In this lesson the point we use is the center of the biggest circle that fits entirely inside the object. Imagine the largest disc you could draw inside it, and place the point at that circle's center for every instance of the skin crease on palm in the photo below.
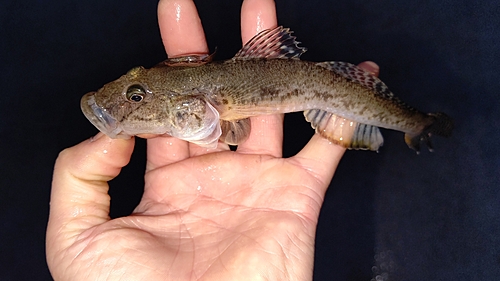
(206, 214)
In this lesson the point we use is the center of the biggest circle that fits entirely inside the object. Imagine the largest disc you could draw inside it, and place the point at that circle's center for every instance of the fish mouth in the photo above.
(99, 117)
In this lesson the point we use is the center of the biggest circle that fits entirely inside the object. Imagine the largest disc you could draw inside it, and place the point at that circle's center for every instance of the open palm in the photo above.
(224, 215)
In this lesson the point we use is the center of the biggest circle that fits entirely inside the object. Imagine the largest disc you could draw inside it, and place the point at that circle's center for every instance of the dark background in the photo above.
(391, 214)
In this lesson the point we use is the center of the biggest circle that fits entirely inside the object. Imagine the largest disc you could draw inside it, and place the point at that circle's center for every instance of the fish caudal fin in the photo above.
(344, 132)
(441, 126)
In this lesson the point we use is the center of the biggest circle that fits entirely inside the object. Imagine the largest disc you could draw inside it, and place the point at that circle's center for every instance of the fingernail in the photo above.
(371, 67)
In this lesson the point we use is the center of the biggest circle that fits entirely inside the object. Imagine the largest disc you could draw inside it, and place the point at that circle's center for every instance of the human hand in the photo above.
(205, 213)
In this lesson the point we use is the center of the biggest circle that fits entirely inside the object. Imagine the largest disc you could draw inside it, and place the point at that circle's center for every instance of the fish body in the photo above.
(201, 101)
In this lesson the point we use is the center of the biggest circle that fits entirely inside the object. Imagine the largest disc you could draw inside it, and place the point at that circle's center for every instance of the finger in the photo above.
(165, 150)
(79, 198)
(181, 33)
(180, 28)
(320, 155)
(371, 67)
(257, 15)
(266, 136)
(196, 150)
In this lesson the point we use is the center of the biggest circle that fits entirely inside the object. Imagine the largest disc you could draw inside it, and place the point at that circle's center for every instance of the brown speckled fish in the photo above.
(200, 101)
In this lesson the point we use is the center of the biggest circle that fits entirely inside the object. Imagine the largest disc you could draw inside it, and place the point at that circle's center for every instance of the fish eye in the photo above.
(135, 93)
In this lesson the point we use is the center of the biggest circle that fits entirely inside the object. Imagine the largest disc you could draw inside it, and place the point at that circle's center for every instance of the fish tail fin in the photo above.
(442, 125)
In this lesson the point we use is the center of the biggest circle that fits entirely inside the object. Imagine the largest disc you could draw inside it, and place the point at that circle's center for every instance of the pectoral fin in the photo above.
(341, 131)
(236, 131)
(209, 141)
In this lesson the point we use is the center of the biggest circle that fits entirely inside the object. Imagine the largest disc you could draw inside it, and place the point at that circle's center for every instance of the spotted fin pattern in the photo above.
(359, 75)
(277, 43)
(350, 134)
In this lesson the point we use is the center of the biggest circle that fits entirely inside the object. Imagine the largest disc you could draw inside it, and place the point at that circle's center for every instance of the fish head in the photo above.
(136, 104)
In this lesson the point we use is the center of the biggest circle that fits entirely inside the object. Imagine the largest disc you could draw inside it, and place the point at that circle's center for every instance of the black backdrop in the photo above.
(390, 214)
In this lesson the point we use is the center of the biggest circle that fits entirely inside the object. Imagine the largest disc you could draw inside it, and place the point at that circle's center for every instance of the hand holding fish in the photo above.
(205, 213)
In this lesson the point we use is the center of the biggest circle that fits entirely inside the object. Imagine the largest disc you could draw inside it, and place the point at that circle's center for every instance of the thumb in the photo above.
(79, 198)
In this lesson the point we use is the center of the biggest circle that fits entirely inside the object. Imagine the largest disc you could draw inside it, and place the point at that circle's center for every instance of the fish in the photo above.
(203, 101)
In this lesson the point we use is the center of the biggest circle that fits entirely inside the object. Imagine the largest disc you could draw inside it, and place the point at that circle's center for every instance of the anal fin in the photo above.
(345, 132)
(236, 131)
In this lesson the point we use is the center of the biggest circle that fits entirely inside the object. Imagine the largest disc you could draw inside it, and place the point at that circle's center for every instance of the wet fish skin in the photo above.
(286, 86)
(190, 101)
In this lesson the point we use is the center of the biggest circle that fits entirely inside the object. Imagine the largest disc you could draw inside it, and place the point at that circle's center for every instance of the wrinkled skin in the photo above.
(206, 214)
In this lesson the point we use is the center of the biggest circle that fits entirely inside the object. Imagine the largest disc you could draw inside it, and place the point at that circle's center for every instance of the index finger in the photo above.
(180, 28)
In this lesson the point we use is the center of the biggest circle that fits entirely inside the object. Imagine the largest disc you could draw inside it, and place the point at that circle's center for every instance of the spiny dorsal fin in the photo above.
(277, 43)
(345, 132)
(189, 60)
(356, 74)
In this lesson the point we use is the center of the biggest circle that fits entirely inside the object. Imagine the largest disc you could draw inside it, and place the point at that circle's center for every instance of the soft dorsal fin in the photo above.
(189, 60)
(359, 75)
(277, 43)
